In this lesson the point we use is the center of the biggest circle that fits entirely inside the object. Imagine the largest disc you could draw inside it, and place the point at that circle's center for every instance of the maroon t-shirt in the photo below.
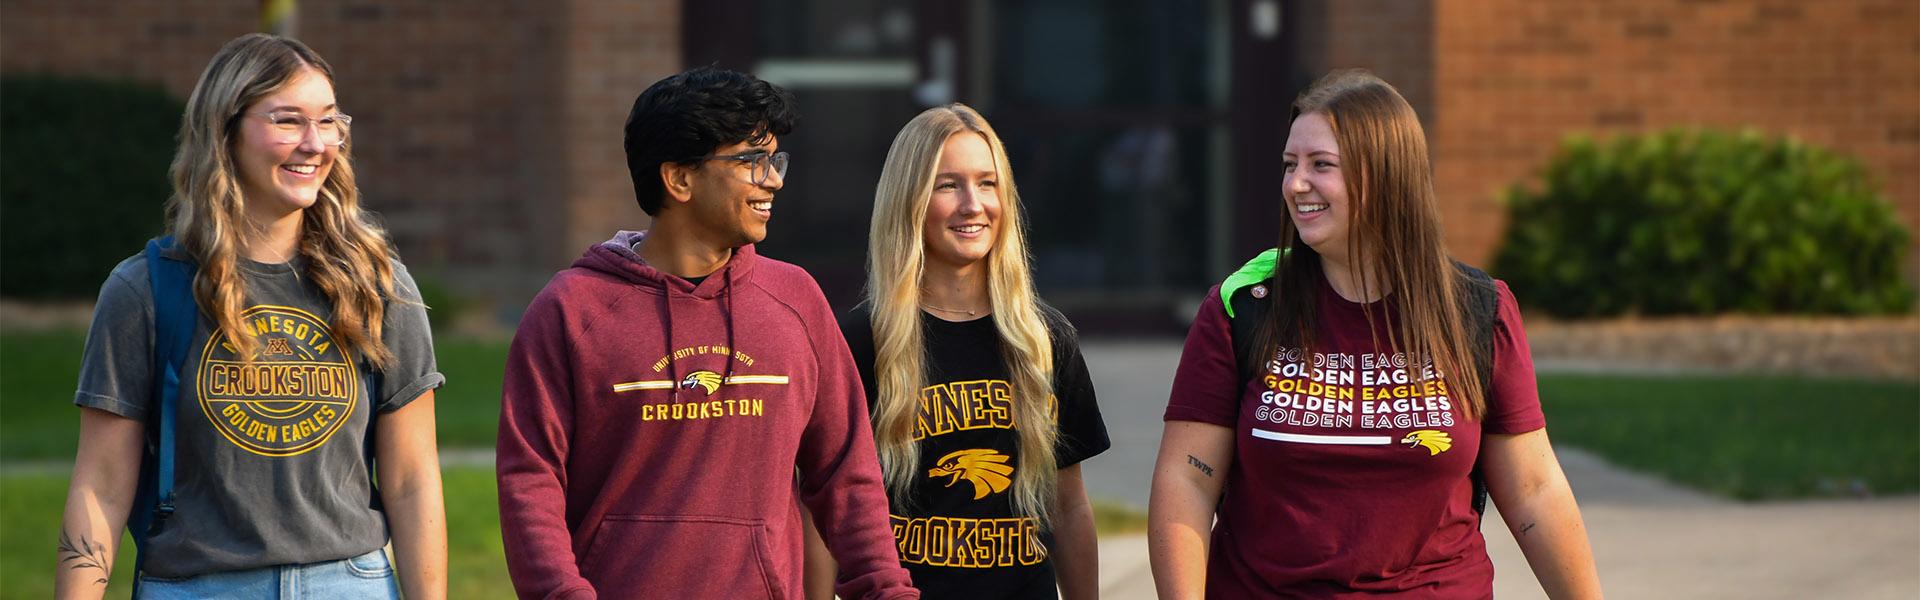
(1348, 478)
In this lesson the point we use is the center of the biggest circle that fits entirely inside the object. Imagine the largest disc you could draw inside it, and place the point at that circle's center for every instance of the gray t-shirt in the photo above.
(270, 456)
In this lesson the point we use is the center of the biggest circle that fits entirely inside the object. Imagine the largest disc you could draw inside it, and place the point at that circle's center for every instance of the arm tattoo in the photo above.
(86, 554)
(1197, 464)
(1524, 530)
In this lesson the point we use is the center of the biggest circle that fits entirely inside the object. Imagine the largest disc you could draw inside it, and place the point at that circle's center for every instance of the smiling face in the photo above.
(278, 177)
(1315, 189)
(728, 209)
(963, 214)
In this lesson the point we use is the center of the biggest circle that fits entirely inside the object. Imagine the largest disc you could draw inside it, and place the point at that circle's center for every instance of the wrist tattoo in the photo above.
(85, 554)
(1197, 464)
(1524, 530)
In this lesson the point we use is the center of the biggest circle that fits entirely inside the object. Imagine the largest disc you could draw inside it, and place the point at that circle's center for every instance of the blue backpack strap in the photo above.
(174, 316)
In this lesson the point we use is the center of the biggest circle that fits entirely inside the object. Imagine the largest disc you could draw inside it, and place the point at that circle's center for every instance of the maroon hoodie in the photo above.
(650, 430)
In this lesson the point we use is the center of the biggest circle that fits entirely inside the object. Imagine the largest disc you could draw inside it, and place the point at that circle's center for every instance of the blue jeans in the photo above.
(365, 576)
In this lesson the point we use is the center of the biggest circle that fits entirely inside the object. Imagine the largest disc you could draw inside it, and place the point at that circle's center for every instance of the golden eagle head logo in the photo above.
(1434, 440)
(986, 468)
(707, 380)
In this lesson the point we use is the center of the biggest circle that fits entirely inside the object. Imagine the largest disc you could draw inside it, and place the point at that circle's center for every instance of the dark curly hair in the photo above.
(690, 114)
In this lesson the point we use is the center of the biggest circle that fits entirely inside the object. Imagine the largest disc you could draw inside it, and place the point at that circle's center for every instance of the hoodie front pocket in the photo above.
(680, 557)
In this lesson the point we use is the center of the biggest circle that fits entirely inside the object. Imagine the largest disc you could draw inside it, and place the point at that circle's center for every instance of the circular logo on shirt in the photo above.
(294, 395)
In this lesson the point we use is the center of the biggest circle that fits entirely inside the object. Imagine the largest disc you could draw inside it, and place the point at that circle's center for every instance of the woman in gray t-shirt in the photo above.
(307, 360)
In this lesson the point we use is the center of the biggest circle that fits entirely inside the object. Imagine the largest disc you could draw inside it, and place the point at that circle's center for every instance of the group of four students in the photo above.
(684, 418)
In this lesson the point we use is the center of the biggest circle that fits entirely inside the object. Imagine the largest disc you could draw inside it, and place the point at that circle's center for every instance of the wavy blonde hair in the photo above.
(348, 256)
(896, 260)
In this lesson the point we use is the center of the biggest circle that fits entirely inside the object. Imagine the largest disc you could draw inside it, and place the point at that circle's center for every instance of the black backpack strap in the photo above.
(1251, 306)
(1247, 297)
(1479, 307)
(369, 445)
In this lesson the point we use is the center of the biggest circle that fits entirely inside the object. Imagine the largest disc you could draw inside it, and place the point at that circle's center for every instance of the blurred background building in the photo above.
(1144, 134)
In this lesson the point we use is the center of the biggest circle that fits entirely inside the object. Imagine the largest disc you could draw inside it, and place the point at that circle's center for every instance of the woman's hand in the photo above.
(1076, 548)
(1526, 483)
(106, 474)
(820, 569)
(409, 468)
(1187, 479)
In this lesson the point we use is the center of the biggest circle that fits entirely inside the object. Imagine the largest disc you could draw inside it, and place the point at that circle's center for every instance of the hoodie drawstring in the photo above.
(726, 289)
(673, 366)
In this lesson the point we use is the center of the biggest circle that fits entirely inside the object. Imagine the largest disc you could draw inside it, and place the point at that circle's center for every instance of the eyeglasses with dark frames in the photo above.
(762, 162)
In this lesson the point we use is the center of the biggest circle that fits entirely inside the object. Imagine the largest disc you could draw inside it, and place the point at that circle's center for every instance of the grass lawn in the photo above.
(1748, 437)
(37, 374)
(468, 406)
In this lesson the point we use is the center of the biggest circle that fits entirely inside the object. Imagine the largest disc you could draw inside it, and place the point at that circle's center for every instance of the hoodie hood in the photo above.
(617, 257)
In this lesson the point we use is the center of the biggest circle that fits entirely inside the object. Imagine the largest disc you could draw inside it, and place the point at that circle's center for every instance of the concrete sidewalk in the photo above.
(1654, 540)
(1650, 539)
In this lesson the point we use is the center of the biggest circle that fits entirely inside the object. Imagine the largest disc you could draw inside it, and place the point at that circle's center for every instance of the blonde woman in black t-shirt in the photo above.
(981, 403)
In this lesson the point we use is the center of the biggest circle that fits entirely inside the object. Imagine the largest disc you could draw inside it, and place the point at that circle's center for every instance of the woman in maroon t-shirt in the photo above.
(1386, 375)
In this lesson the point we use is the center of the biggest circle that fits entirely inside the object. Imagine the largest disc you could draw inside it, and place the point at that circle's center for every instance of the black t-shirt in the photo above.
(959, 535)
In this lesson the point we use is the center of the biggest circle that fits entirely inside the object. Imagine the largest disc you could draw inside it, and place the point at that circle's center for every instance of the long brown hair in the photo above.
(348, 256)
(1395, 237)
(896, 260)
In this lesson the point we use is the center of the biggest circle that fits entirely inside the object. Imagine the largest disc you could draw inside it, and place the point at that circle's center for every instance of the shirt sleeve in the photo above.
(840, 480)
(535, 436)
(116, 368)
(1206, 386)
(1513, 398)
(404, 330)
(1083, 432)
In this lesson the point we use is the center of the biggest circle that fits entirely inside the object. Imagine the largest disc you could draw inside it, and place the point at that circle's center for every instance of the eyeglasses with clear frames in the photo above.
(762, 162)
(291, 127)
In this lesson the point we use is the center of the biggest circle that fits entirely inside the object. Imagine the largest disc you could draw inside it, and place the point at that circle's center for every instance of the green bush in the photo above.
(1703, 222)
(85, 179)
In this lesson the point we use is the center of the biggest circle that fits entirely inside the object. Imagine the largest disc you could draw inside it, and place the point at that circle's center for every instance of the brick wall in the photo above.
(487, 133)
(162, 42)
(615, 50)
(1513, 77)
(452, 125)
(1391, 38)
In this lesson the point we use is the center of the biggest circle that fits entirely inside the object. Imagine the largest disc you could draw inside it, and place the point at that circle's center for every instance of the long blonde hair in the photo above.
(1396, 239)
(896, 260)
(348, 256)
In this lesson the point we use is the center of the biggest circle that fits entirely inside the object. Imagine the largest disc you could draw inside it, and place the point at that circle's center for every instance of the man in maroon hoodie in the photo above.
(661, 393)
